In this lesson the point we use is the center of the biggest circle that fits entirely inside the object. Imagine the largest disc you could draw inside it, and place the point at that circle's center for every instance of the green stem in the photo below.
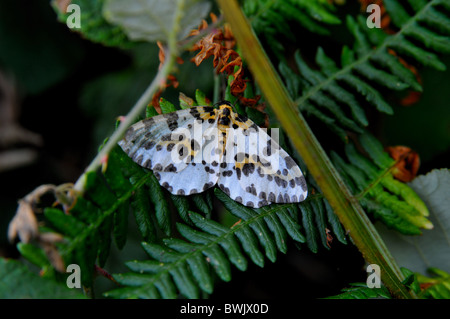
(138, 108)
(344, 204)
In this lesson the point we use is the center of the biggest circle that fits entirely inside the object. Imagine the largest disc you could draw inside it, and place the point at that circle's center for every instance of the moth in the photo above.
(194, 149)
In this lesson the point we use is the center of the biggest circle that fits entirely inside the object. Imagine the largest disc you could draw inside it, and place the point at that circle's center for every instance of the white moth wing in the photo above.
(174, 146)
(257, 171)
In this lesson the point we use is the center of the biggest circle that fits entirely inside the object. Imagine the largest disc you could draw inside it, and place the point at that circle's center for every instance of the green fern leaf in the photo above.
(140, 205)
(437, 286)
(120, 222)
(361, 291)
(183, 266)
(230, 244)
(395, 203)
(160, 203)
(94, 26)
(330, 92)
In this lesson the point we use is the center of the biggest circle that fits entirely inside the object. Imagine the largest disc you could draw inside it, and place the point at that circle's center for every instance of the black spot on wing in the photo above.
(263, 203)
(129, 134)
(194, 112)
(238, 173)
(195, 146)
(300, 181)
(172, 120)
(149, 145)
(167, 186)
(292, 183)
(166, 137)
(227, 173)
(147, 163)
(225, 189)
(289, 162)
(254, 127)
(170, 146)
(208, 185)
(248, 169)
(251, 189)
(241, 118)
(170, 168)
(138, 160)
(148, 122)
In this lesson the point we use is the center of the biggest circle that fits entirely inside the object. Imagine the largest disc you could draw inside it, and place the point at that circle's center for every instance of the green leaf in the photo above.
(401, 17)
(33, 254)
(166, 106)
(17, 282)
(200, 98)
(140, 205)
(161, 205)
(152, 20)
(367, 67)
(292, 228)
(258, 225)
(202, 204)
(98, 190)
(361, 291)
(438, 286)
(433, 247)
(410, 280)
(319, 215)
(121, 224)
(182, 205)
(66, 224)
(184, 282)
(104, 242)
(93, 25)
(425, 57)
(229, 244)
(310, 229)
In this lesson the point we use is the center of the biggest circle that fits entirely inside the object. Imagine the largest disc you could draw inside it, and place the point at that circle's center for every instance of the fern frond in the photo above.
(392, 202)
(188, 266)
(94, 26)
(361, 291)
(272, 18)
(436, 287)
(331, 92)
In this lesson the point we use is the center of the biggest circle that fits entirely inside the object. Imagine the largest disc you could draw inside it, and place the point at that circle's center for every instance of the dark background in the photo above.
(69, 91)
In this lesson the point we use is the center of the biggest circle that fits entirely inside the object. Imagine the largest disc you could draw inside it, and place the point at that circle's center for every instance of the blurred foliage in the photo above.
(36, 50)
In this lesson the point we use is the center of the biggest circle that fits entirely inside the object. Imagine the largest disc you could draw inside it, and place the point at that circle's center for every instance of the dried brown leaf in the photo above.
(408, 162)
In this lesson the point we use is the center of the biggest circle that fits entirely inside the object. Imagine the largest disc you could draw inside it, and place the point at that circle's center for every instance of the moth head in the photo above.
(223, 105)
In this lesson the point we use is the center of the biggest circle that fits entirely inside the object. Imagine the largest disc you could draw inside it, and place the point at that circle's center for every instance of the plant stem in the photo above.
(138, 108)
(344, 204)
